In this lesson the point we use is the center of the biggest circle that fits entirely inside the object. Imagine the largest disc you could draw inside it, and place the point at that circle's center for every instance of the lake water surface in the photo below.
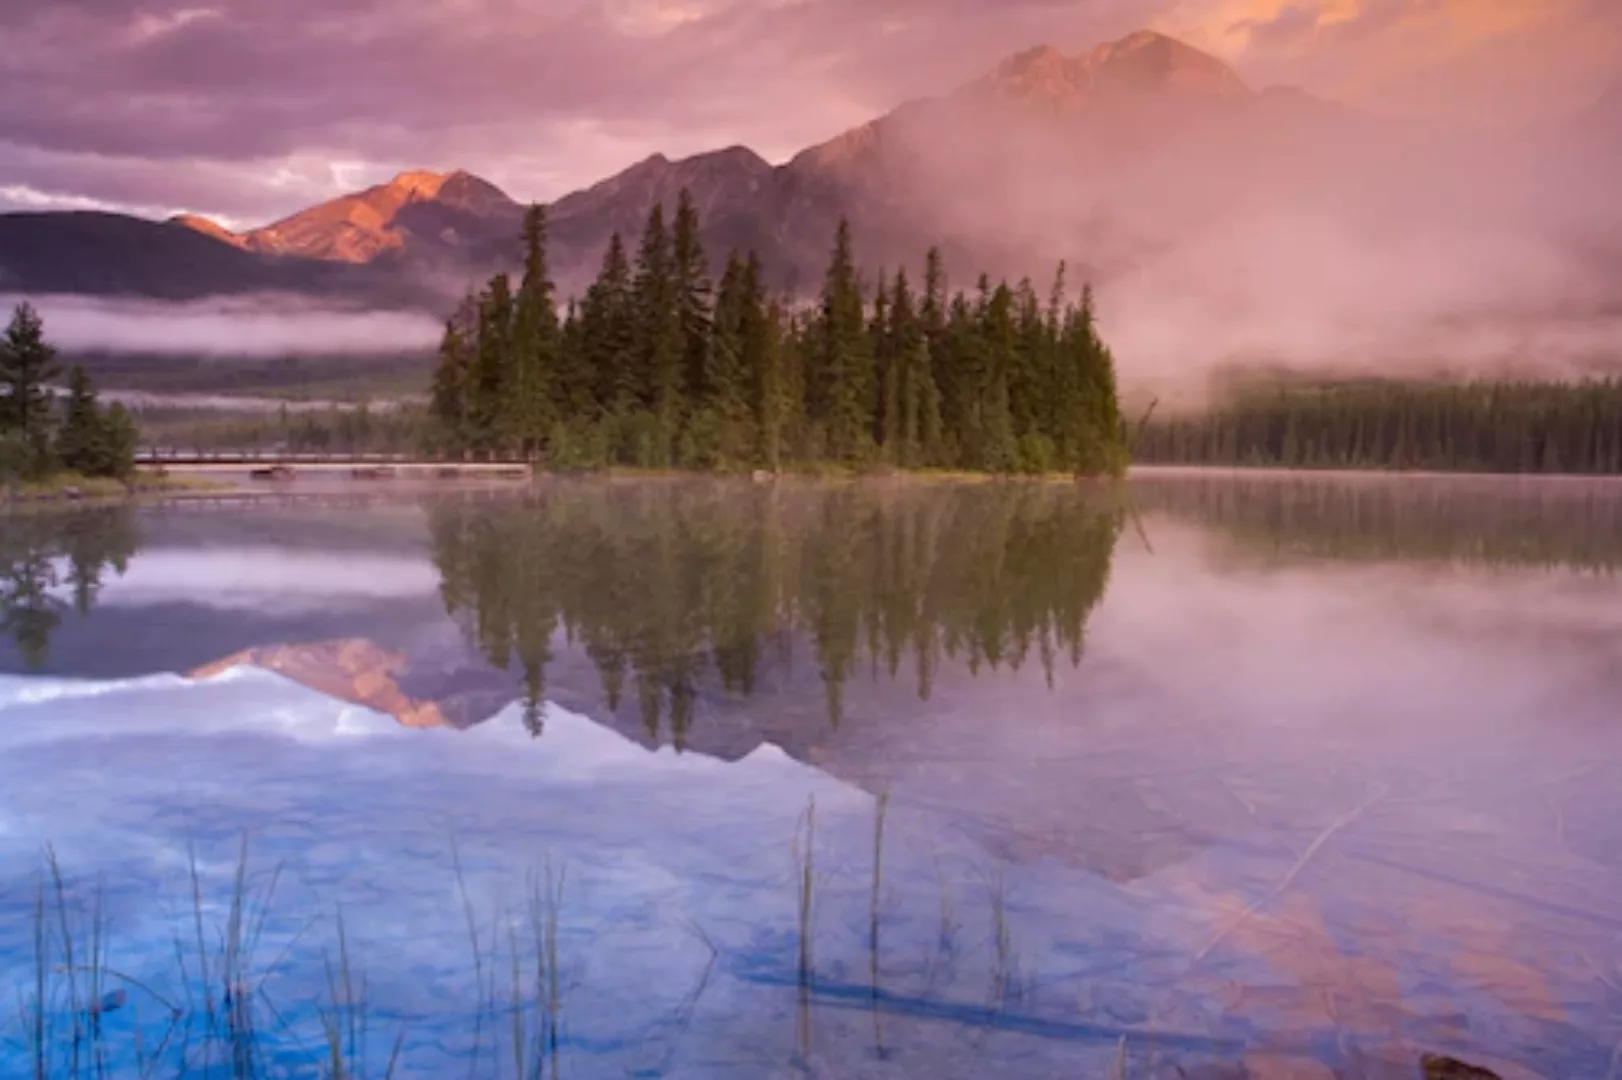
(1212, 776)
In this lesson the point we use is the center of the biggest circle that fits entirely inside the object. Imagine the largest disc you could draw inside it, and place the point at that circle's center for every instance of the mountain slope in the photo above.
(942, 171)
(116, 255)
(415, 215)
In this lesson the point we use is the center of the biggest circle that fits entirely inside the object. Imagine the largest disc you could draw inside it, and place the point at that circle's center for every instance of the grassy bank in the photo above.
(71, 487)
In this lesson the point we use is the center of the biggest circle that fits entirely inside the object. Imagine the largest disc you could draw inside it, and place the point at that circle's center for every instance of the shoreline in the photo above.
(73, 490)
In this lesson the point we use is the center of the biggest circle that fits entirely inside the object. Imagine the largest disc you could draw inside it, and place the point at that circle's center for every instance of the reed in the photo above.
(805, 867)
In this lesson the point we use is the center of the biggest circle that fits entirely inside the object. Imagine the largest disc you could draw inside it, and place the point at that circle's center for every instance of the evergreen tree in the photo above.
(691, 274)
(721, 381)
(659, 334)
(886, 373)
(932, 321)
(449, 399)
(78, 439)
(999, 450)
(916, 412)
(961, 364)
(27, 365)
(117, 443)
(1104, 450)
(532, 403)
(609, 333)
(492, 380)
(1026, 375)
(764, 360)
(574, 382)
(844, 357)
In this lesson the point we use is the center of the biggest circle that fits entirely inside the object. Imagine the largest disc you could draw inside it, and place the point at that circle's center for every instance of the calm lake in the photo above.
(1210, 775)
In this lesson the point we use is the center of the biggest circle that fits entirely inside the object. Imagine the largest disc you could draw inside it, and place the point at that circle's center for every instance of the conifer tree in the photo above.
(532, 404)
(844, 356)
(27, 365)
(999, 450)
(659, 333)
(764, 360)
(917, 406)
(691, 274)
(79, 438)
(116, 443)
(450, 401)
(886, 422)
(961, 363)
(1026, 374)
(1102, 394)
(792, 363)
(1051, 381)
(492, 366)
(609, 333)
(721, 381)
(575, 390)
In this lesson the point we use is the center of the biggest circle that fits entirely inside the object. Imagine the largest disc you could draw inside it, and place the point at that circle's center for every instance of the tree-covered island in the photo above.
(658, 366)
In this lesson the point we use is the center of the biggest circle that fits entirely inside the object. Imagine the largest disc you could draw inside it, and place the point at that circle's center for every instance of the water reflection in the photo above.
(1294, 780)
(1494, 521)
(52, 565)
(662, 583)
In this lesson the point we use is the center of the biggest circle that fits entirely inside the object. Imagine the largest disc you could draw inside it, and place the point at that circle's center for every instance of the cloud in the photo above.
(542, 97)
(1480, 60)
(224, 108)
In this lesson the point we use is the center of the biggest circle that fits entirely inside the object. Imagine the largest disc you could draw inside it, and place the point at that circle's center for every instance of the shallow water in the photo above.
(1265, 776)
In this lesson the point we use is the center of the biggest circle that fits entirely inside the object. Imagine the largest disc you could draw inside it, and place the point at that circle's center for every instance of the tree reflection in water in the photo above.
(662, 583)
(52, 564)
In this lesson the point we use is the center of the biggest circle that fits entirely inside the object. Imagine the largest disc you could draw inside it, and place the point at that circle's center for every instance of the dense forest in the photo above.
(38, 439)
(670, 587)
(1504, 427)
(658, 366)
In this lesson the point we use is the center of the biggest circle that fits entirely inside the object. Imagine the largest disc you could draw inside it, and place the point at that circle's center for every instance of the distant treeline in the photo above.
(657, 366)
(361, 429)
(349, 377)
(1487, 426)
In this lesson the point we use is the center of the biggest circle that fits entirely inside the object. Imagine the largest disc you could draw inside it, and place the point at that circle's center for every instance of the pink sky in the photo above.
(250, 109)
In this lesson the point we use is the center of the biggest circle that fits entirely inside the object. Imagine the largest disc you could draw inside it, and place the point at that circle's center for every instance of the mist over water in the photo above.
(249, 327)
(1294, 771)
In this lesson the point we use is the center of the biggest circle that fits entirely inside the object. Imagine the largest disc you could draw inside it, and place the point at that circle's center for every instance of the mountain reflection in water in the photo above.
(1272, 777)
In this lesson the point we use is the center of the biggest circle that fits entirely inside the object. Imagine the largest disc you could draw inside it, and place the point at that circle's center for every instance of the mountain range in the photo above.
(1106, 158)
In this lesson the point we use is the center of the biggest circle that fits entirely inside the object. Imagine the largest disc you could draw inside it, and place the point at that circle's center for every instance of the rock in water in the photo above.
(1445, 1068)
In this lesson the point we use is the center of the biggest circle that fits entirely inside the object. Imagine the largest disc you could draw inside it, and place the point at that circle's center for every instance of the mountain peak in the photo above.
(1143, 63)
(419, 183)
(1148, 59)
